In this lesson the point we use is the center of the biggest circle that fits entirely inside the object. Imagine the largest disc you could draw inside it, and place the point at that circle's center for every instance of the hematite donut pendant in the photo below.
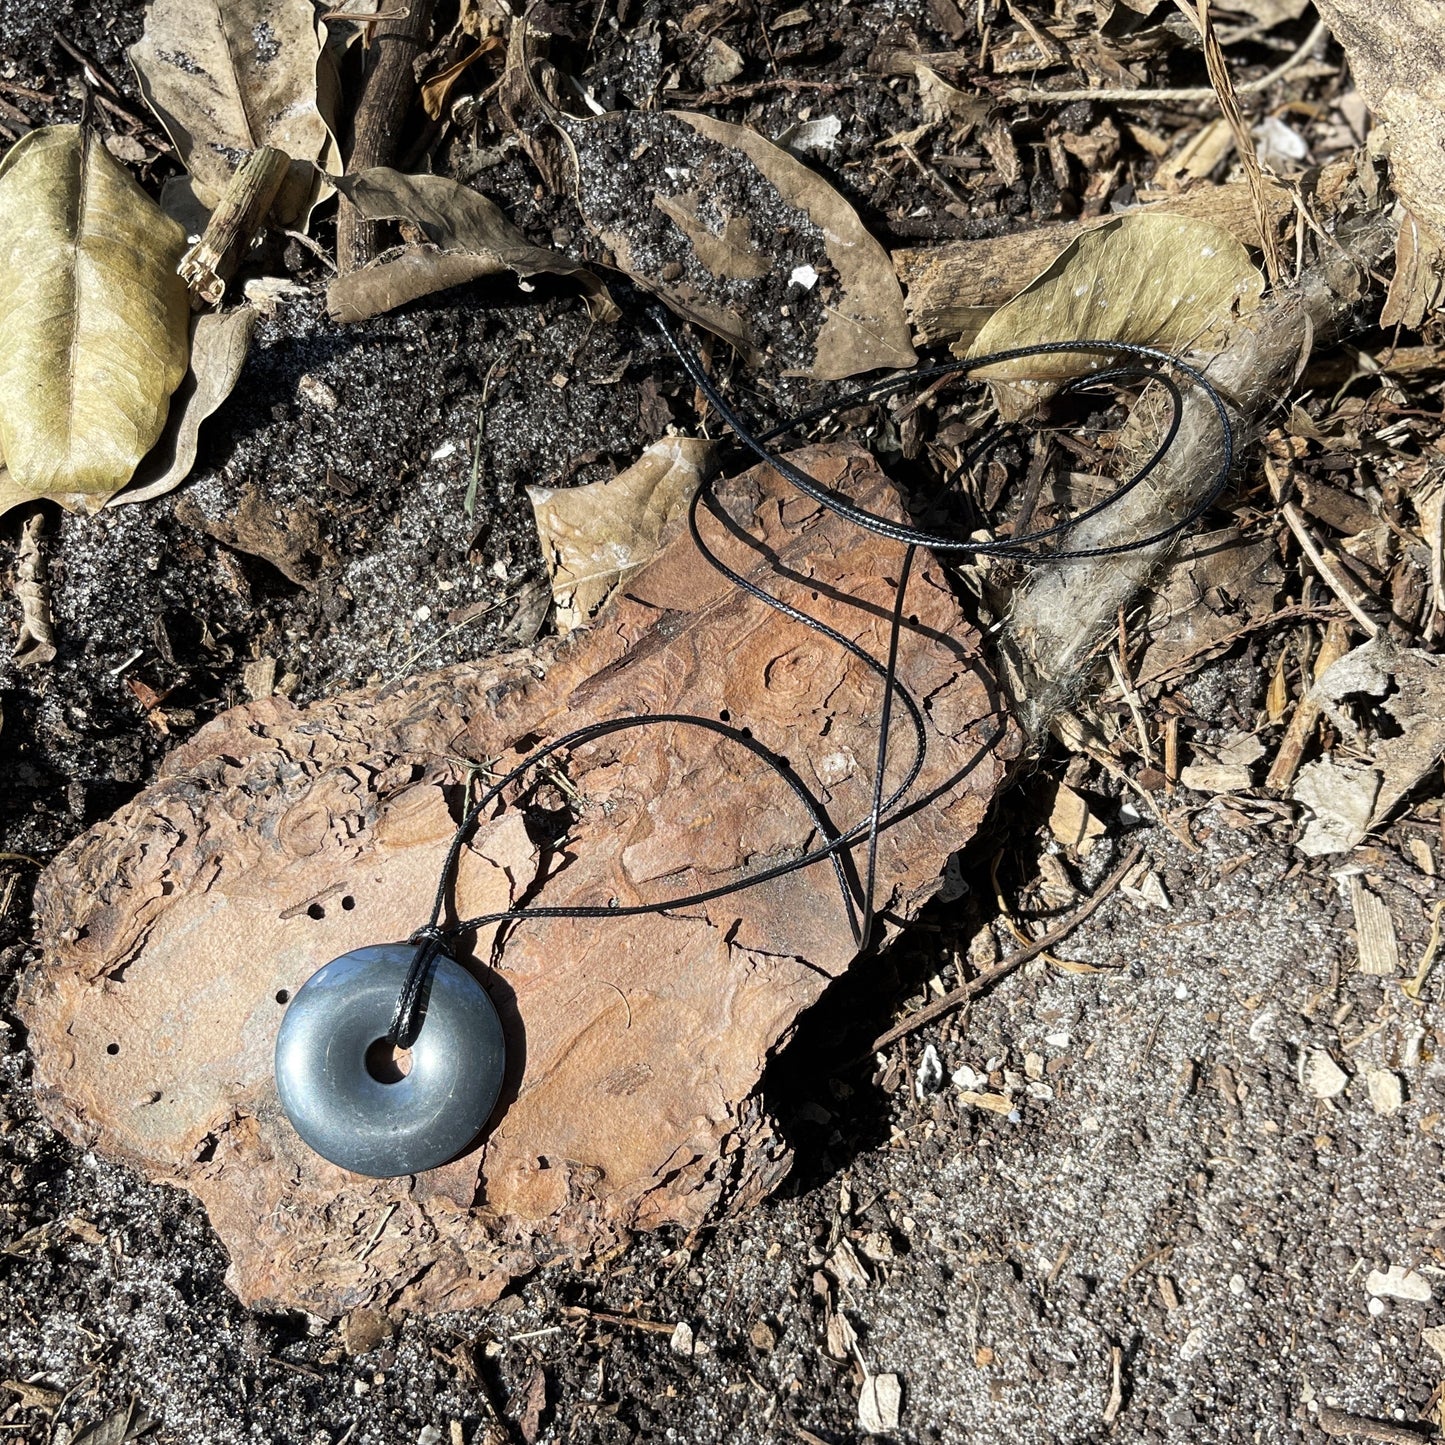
(359, 1114)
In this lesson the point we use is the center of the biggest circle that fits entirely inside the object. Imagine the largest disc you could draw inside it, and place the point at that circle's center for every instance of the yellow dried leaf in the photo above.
(94, 320)
(596, 536)
(1150, 280)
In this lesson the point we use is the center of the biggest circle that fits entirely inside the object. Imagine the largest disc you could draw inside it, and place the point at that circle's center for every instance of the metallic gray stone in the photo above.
(354, 1119)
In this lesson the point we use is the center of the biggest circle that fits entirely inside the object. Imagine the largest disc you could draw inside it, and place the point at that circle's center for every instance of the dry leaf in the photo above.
(1396, 50)
(941, 101)
(34, 1397)
(437, 89)
(952, 288)
(879, 1402)
(685, 203)
(118, 1429)
(1195, 608)
(94, 321)
(281, 836)
(1151, 280)
(468, 236)
(220, 343)
(1411, 685)
(597, 536)
(228, 76)
(729, 253)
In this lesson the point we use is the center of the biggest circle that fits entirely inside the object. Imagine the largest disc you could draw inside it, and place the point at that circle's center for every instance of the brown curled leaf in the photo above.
(467, 237)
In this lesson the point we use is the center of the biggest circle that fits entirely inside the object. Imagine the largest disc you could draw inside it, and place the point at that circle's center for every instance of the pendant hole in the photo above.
(316, 911)
(112, 1049)
(348, 903)
(283, 995)
(386, 1063)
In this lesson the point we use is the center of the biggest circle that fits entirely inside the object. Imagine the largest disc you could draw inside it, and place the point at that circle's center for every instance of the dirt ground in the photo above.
(1166, 1239)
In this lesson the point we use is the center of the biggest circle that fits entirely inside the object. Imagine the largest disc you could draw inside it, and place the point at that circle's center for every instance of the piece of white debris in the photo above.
(1058, 1041)
(804, 276)
(1376, 1307)
(1386, 1092)
(929, 1078)
(966, 1078)
(879, 1402)
(1193, 1345)
(445, 450)
(317, 392)
(1398, 1283)
(1324, 1078)
(683, 1340)
(1216, 777)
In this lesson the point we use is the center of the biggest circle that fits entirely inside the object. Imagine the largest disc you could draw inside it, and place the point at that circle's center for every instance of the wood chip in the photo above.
(1324, 1078)
(879, 1402)
(1379, 952)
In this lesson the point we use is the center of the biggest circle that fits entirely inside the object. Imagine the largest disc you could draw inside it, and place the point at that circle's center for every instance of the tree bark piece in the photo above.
(280, 837)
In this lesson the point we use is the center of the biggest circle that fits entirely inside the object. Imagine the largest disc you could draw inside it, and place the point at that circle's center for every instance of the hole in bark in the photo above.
(348, 903)
(283, 995)
(316, 911)
(112, 1049)
(386, 1063)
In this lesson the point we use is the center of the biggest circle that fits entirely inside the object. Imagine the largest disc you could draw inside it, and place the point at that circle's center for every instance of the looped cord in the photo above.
(1150, 365)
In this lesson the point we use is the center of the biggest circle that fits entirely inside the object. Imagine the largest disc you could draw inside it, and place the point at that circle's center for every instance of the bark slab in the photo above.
(282, 836)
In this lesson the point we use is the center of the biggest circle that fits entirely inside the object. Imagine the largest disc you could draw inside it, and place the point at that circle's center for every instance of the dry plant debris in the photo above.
(1298, 641)
(281, 837)
(93, 320)
(598, 536)
(220, 343)
(229, 76)
(466, 236)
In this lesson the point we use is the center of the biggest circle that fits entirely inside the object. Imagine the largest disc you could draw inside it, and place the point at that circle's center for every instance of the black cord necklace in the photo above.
(413, 996)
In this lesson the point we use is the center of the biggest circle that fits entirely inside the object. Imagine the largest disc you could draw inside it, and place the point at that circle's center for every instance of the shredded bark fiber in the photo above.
(282, 836)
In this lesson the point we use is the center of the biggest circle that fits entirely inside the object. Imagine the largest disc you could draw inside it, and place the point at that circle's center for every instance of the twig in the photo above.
(1412, 989)
(959, 996)
(580, 1312)
(1362, 1427)
(1306, 714)
(726, 94)
(378, 129)
(1295, 612)
(1188, 93)
(1327, 565)
(1223, 83)
(234, 224)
